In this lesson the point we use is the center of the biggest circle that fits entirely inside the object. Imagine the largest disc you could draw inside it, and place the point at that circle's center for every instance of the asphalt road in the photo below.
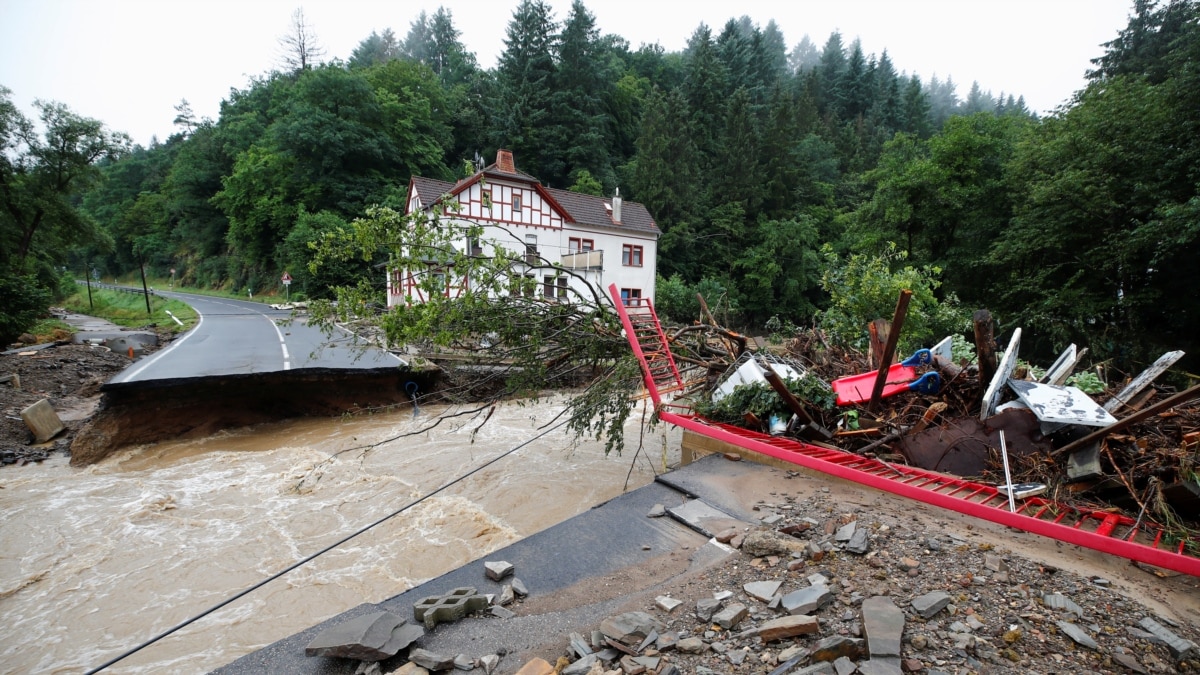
(238, 337)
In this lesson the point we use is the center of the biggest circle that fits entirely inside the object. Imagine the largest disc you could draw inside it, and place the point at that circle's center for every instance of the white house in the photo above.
(602, 240)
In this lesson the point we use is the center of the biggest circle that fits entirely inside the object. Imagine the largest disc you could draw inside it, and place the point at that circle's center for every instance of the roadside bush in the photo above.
(23, 299)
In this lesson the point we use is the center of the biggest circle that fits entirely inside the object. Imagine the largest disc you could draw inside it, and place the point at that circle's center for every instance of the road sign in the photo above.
(287, 279)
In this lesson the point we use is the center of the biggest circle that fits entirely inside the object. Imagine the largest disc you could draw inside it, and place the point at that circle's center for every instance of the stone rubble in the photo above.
(804, 602)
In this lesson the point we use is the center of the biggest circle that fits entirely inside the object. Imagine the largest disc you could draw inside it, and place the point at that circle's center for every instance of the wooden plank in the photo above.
(1008, 363)
(1143, 380)
(985, 345)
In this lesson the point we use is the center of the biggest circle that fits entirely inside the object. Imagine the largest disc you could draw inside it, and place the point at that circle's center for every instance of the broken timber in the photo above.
(1099, 530)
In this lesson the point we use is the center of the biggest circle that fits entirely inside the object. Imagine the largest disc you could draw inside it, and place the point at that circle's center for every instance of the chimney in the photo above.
(616, 206)
(504, 161)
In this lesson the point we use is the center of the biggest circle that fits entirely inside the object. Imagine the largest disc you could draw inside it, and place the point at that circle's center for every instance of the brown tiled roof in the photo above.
(585, 210)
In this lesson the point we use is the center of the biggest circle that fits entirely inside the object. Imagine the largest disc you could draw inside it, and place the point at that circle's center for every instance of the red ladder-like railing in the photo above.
(644, 331)
(1095, 529)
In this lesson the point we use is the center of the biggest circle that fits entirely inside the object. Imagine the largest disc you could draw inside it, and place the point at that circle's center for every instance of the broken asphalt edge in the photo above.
(605, 539)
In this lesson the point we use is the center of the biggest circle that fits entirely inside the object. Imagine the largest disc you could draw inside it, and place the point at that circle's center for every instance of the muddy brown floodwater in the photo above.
(95, 561)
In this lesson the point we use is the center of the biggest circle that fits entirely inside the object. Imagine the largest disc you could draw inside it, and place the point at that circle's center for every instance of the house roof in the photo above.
(583, 210)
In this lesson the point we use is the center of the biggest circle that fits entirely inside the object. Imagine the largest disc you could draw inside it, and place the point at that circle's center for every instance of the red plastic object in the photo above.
(1099, 530)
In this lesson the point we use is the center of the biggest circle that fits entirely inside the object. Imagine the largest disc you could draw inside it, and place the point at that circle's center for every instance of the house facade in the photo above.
(600, 240)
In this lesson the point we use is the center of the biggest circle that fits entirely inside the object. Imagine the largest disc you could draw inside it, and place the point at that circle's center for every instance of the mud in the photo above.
(133, 413)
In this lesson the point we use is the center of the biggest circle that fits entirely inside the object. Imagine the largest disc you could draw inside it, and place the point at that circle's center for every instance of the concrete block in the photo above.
(42, 421)
(448, 608)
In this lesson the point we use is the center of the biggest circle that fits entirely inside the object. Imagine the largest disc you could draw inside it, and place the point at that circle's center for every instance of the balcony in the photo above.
(583, 260)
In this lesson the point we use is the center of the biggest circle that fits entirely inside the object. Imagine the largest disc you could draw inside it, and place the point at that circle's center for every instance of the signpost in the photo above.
(171, 284)
(287, 285)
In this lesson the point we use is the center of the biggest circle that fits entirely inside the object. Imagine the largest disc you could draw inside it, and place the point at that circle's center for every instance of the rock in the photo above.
(691, 645)
(409, 668)
(578, 645)
(731, 616)
(782, 628)
(506, 595)
(706, 607)
(1077, 634)
(974, 623)
(919, 642)
(722, 596)
(762, 590)
(771, 519)
(725, 536)
(489, 663)
(463, 662)
(814, 551)
(880, 667)
(502, 612)
(762, 542)
(519, 588)
(994, 562)
(369, 668)
(1060, 601)
(630, 628)
(860, 543)
(822, 668)
(930, 604)
(667, 603)
(370, 637)
(582, 666)
(846, 531)
(907, 564)
(666, 641)
(883, 623)
(429, 660)
(657, 511)
(844, 666)
(1180, 648)
(807, 600)
(497, 570)
(911, 665)
(42, 421)
(817, 579)
(536, 667)
(831, 648)
(1128, 662)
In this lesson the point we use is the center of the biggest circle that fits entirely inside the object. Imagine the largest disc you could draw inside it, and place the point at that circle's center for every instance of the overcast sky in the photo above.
(129, 62)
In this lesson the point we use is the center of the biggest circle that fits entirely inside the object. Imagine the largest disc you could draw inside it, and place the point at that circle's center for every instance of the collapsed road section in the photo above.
(132, 413)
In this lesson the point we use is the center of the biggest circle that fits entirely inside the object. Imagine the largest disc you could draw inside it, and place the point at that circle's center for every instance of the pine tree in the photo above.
(525, 77)
(582, 94)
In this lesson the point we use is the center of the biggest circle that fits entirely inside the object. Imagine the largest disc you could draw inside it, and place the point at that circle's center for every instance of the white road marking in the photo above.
(154, 359)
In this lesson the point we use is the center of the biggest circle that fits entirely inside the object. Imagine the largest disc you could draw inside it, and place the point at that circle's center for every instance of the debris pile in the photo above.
(1065, 433)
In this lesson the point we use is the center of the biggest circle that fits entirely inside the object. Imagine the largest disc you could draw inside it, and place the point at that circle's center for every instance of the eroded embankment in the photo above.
(146, 412)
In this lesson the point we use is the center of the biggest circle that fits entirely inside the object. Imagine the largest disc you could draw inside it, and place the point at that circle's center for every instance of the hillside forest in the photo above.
(796, 183)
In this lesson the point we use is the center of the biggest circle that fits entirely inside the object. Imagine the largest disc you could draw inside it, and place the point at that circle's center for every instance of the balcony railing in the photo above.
(583, 260)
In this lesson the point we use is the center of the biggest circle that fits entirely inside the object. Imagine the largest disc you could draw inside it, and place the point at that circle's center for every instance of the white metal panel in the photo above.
(1066, 405)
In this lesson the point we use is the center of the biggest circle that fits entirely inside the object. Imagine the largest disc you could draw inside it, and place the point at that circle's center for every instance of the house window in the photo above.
(576, 244)
(531, 249)
(548, 287)
(529, 286)
(516, 203)
(631, 296)
(631, 256)
(485, 197)
(473, 246)
(562, 289)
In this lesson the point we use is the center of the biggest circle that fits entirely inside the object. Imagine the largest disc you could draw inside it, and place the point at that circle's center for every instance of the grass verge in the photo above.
(129, 309)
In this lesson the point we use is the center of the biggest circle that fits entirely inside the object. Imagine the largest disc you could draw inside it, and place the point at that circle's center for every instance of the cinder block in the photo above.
(42, 421)
(449, 607)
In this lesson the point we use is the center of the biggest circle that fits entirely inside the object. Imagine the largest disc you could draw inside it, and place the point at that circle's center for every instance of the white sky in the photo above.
(129, 62)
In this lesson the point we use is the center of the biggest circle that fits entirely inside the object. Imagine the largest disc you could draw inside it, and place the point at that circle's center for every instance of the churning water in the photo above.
(95, 561)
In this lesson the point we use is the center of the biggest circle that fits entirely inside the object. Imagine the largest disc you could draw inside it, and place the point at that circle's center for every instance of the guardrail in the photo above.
(119, 289)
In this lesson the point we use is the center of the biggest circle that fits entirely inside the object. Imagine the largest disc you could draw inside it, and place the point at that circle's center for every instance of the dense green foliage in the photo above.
(752, 157)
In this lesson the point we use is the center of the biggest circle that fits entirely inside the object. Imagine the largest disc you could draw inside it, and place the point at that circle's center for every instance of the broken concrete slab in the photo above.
(806, 600)
(370, 637)
(498, 569)
(883, 624)
(1060, 601)
(926, 606)
(836, 646)
(1077, 634)
(860, 543)
(1180, 648)
(42, 421)
(784, 627)
(1084, 464)
(630, 628)
(762, 590)
(429, 660)
(729, 617)
(701, 517)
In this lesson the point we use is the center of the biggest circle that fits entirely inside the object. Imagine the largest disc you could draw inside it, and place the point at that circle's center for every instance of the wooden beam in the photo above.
(889, 350)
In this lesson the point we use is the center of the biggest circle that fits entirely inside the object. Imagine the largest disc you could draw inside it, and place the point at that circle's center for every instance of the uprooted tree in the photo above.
(486, 309)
